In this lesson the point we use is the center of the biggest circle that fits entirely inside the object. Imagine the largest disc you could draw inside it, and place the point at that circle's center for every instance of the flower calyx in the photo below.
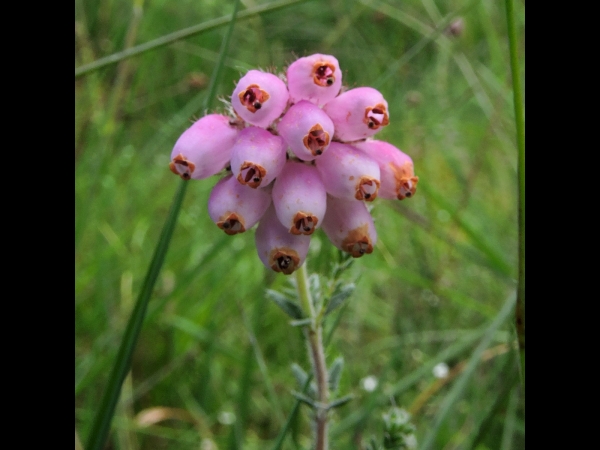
(358, 242)
(232, 224)
(367, 189)
(323, 74)
(251, 174)
(253, 97)
(376, 116)
(316, 140)
(182, 167)
(304, 223)
(284, 260)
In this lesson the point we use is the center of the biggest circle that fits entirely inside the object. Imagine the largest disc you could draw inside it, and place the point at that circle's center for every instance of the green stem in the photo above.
(520, 125)
(317, 353)
(304, 291)
(283, 433)
(178, 35)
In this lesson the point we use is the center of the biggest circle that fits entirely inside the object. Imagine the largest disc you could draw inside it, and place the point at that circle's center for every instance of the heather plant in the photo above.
(313, 286)
(297, 153)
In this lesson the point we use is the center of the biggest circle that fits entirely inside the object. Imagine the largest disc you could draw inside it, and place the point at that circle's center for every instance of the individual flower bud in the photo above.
(299, 198)
(398, 178)
(358, 113)
(257, 157)
(349, 226)
(348, 173)
(277, 248)
(306, 129)
(259, 98)
(235, 208)
(204, 149)
(316, 78)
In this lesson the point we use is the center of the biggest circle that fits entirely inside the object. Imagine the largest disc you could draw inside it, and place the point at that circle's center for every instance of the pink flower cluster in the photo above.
(298, 157)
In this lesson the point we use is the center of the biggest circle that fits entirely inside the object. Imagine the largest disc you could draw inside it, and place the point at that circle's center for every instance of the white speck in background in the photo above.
(440, 370)
(226, 417)
(369, 383)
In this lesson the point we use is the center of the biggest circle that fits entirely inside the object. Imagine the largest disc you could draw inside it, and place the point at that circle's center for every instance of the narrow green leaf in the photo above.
(339, 297)
(509, 421)
(458, 388)
(340, 401)
(314, 284)
(379, 399)
(346, 260)
(253, 353)
(301, 323)
(479, 238)
(304, 399)
(509, 374)
(291, 417)
(334, 373)
(101, 425)
(299, 374)
(287, 306)
(178, 35)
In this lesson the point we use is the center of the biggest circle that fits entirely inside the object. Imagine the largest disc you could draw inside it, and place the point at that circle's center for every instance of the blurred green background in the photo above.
(212, 365)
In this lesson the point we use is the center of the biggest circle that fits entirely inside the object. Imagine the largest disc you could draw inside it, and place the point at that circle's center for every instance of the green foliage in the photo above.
(341, 293)
(335, 372)
(288, 306)
(212, 354)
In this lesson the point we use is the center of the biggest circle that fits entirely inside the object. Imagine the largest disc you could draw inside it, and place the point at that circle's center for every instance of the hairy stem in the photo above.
(314, 335)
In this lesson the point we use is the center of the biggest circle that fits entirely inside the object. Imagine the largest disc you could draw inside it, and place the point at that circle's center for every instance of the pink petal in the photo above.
(204, 149)
(316, 78)
(234, 207)
(307, 130)
(277, 248)
(349, 226)
(398, 178)
(257, 157)
(299, 198)
(358, 113)
(259, 98)
(348, 173)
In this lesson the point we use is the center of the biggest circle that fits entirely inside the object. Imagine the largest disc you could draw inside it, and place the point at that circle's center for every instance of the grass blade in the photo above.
(101, 424)
(520, 124)
(509, 373)
(379, 399)
(178, 35)
(457, 390)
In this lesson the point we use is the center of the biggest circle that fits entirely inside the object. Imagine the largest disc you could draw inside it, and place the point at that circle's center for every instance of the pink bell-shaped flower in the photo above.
(358, 113)
(257, 157)
(348, 173)
(204, 149)
(306, 129)
(259, 98)
(277, 248)
(234, 207)
(398, 178)
(349, 226)
(316, 78)
(299, 198)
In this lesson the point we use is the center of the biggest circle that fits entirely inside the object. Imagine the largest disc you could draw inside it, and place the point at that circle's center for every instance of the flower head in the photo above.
(299, 157)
